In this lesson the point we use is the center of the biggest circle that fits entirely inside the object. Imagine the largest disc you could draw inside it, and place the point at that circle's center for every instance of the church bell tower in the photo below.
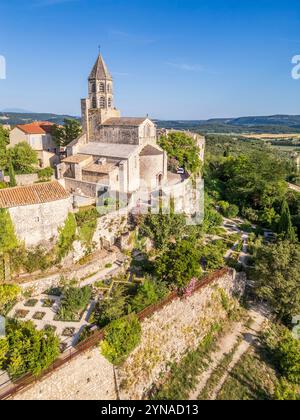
(99, 106)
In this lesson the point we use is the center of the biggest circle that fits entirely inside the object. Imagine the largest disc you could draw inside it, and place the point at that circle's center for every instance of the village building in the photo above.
(114, 153)
(37, 211)
(38, 136)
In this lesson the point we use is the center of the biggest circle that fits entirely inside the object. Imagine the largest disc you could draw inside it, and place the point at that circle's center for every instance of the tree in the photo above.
(286, 391)
(67, 235)
(148, 293)
(277, 280)
(3, 351)
(23, 158)
(4, 141)
(179, 264)
(228, 210)
(29, 350)
(45, 174)
(121, 338)
(285, 226)
(12, 177)
(162, 228)
(8, 294)
(8, 239)
(183, 149)
(111, 309)
(63, 135)
(289, 358)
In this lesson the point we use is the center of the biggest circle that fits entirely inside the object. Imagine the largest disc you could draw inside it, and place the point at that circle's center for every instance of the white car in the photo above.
(180, 171)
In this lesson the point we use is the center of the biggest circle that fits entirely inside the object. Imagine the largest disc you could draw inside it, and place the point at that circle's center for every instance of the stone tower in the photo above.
(99, 106)
(100, 86)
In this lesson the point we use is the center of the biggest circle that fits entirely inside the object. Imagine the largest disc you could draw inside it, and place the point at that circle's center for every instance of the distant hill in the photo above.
(268, 124)
(15, 118)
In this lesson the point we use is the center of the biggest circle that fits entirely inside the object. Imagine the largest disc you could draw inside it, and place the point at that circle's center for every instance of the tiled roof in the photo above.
(76, 158)
(39, 127)
(100, 169)
(151, 151)
(32, 194)
(123, 122)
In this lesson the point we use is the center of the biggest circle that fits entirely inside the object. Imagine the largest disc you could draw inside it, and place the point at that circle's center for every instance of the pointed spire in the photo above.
(100, 70)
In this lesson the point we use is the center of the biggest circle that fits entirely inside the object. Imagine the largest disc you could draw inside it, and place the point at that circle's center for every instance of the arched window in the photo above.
(109, 102)
(93, 87)
(108, 88)
(94, 103)
(102, 102)
(102, 87)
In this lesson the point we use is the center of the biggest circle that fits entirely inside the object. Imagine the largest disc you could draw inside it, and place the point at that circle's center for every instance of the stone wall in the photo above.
(171, 332)
(39, 223)
(80, 273)
(166, 336)
(27, 179)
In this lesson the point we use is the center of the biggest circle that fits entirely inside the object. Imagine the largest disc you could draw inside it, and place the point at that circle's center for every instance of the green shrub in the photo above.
(87, 223)
(67, 235)
(111, 309)
(28, 350)
(149, 292)
(121, 338)
(73, 303)
(45, 174)
(8, 239)
(8, 294)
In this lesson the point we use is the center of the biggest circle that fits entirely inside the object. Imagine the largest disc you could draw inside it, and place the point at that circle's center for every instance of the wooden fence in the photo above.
(12, 388)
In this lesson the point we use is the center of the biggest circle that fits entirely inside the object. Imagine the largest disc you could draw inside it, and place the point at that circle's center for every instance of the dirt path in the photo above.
(224, 346)
(259, 315)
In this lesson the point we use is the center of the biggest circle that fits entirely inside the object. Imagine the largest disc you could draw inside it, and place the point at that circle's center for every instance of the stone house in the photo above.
(38, 136)
(37, 211)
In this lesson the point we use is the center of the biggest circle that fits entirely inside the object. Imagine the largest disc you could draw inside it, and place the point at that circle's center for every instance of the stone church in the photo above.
(116, 153)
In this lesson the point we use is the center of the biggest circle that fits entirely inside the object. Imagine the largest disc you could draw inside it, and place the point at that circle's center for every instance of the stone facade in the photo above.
(39, 223)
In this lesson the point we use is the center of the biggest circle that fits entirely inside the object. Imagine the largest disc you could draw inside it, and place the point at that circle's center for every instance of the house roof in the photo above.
(76, 158)
(32, 194)
(150, 150)
(118, 151)
(124, 122)
(38, 127)
(100, 70)
(106, 168)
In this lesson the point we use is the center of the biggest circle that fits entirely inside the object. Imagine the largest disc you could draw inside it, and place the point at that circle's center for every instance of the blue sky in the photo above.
(171, 59)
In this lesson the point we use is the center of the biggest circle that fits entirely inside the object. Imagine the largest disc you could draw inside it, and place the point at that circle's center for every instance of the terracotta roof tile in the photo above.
(32, 194)
(39, 127)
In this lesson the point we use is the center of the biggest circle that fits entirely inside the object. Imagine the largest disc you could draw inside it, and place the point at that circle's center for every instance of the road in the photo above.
(294, 187)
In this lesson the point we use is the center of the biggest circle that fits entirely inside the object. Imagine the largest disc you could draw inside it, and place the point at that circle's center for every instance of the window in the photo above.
(93, 87)
(102, 102)
(102, 87)
(94, 103)
(109, 102)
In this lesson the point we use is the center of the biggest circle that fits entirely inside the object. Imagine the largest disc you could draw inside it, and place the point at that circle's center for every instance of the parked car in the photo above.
(180, 171)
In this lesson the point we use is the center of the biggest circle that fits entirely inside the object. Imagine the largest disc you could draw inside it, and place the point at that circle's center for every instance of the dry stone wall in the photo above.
(166, 336)
(173, 331)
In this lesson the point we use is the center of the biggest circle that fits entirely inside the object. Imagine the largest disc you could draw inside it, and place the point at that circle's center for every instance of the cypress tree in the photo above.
(285, 225)
(12, 176)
